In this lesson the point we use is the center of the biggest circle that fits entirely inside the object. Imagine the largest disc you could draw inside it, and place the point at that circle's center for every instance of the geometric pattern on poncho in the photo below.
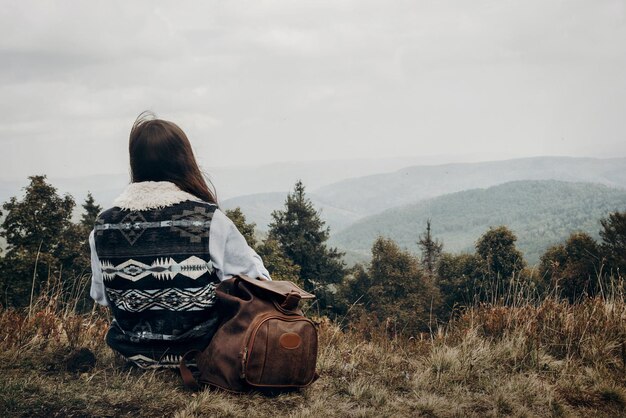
(189, 299)
(172, 361)
(161, 268)
(133, 227)
(192, 224)
(195, 226)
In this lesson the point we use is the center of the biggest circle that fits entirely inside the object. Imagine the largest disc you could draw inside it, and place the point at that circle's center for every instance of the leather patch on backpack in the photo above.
(290, 341)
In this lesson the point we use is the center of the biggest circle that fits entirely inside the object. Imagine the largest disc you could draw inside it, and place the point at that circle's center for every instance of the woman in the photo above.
(158, 253)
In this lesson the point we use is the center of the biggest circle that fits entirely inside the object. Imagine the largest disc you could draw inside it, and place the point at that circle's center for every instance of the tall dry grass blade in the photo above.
(32, 288)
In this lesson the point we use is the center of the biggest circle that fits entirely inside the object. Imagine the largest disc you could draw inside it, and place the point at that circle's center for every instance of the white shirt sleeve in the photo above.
(97, 285)
(230, 253)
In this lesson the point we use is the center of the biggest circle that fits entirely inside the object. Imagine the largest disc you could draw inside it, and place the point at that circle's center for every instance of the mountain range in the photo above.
(346, 201)
(540, 213)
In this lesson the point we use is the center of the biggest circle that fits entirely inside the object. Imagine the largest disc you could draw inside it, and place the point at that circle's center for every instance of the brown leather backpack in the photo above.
(263, 342)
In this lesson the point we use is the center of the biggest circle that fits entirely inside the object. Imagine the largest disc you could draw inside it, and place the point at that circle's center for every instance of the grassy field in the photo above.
(550, 359)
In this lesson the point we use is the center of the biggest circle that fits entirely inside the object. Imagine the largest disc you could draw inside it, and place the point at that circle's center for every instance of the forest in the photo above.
(540, 212)
(46, 250)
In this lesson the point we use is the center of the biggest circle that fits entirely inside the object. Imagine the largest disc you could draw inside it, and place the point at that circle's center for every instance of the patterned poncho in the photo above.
(157, 256)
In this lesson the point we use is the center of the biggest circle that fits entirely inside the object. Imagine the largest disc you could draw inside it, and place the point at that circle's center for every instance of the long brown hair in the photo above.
(160, 151)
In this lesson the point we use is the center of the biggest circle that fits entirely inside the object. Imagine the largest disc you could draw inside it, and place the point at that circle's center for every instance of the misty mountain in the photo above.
(540, 213)
(347, 201)
(280, 177)
(371, 194)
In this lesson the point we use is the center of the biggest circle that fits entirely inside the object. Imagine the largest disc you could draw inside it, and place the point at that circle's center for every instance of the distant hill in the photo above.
(347, 190)
(345, 202)
(240, 180)
(371, 194)
(541, 213)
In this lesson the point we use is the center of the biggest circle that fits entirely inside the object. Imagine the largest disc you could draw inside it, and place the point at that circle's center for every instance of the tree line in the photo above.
(409, 292)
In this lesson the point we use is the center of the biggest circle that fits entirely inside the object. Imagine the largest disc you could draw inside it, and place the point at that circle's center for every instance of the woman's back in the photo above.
(159, 252)
(159, 279)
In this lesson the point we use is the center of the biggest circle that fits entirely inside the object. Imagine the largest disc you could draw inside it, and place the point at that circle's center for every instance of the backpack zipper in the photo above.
(244, 355)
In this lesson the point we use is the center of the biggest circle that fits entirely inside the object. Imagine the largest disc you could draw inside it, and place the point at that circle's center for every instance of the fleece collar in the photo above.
(151, 195)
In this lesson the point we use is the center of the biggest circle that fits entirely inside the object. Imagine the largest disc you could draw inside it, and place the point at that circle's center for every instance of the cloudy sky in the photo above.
(269, 81)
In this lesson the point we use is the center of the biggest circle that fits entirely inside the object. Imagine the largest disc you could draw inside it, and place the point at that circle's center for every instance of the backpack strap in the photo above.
(189, 381)
(291, 301)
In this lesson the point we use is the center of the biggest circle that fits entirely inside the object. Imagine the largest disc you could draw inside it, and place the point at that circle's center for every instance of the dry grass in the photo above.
(550, 359)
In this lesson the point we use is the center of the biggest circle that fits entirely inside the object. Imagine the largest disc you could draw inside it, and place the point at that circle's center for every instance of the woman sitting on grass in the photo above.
(159, 252)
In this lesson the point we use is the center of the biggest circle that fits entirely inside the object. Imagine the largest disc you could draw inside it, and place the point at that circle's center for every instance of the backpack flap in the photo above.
(283, 289)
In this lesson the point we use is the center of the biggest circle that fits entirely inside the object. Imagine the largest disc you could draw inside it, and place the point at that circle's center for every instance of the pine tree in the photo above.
(502, 262)
(38, 219)
(431, 250)
(573, 268)
(302, 236)
(39, 233)
(613, 244)
(460, 280)
(92, 210)
(279, 266)
(497, 249)
(246, 229)
(392, 289)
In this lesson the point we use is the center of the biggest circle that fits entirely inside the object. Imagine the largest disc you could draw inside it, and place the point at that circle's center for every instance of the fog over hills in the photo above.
(279, 177)
(541, 213)
(371, 194)
(347, 201)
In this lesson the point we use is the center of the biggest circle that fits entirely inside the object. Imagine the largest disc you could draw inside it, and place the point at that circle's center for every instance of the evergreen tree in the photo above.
(431, 250)
(502, 262)
(580, 277)
(573, 268)
(302, 237)
(75, 234)
(38, 219)
(613, 244)
(552, 263)
(497, 249)
(41, 240)
(277, 264)
(393, 289)
(92, 210)
(246, 229)
(460, 279)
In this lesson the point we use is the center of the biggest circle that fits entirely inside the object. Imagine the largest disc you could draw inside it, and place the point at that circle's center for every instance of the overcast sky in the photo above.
(269, 81)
